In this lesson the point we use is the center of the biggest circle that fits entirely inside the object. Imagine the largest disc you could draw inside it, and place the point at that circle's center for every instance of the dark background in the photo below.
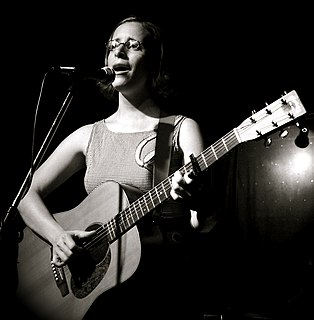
(227, 60)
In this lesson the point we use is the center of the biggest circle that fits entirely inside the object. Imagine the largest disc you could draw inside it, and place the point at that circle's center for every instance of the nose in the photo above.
(119, 52)
(120, 46)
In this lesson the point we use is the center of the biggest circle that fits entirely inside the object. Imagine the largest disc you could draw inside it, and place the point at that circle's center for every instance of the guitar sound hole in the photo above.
(89, 267)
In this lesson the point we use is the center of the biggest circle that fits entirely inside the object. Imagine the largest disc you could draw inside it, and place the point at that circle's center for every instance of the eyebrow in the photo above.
(130, 38)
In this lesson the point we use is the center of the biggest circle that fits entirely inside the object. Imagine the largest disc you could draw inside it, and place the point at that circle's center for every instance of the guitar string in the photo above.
(149, 199)
(211, 154)
(273, 108)
(118, 220)
(122, 217)
(103, 232)
(220, 147)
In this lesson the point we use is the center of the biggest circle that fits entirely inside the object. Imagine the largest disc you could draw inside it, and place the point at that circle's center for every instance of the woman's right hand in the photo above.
(66, 244)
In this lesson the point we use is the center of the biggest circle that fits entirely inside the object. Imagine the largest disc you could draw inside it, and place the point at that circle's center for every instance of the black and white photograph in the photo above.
(158, 161)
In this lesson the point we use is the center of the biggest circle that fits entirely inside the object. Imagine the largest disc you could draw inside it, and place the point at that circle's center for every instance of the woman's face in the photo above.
(128, 58)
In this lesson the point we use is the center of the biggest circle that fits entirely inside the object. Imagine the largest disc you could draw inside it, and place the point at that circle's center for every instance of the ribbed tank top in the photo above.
(126, 158)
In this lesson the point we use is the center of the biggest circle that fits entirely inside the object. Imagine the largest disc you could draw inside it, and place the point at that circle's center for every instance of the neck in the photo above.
(140, 108)
(132, 118)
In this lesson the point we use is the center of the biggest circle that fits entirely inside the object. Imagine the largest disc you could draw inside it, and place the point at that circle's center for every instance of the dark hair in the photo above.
(160, 76)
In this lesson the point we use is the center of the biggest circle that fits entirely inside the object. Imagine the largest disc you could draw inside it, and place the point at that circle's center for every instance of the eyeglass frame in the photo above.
(139, 44)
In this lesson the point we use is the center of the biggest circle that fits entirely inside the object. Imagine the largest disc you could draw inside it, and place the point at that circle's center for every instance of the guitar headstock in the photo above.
(273, 117)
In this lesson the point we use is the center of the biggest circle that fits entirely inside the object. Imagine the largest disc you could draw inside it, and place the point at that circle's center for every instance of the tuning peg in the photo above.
(268, 141)
(283, 133)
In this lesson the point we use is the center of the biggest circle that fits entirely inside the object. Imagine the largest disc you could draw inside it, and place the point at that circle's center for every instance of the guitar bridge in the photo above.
(60, 279)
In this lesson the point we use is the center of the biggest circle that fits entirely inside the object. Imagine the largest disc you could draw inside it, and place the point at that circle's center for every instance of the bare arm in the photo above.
(67, 159)
(191, 142)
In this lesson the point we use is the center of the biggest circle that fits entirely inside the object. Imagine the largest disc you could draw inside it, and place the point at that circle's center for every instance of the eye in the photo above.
(112, 44)
(115, 44)
(133, 44)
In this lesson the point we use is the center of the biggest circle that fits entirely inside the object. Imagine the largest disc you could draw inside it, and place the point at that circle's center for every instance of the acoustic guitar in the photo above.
(113, 254)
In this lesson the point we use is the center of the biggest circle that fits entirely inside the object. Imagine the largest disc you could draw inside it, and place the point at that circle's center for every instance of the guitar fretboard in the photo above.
(127, 218)
(282, 111)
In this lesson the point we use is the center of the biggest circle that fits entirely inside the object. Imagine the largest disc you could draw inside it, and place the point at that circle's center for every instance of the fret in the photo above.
(157, 195)
(108, 228)
(137, 213)
(132, 216)
(141, 203)
(149, 203)
(246, 131)
(151, 198)
(120, 222)
(236, 134)
(219, 148)
(213, 151)
(111, 229)
(224, 143)
(146, 204)
(164, 190)
(204, 160)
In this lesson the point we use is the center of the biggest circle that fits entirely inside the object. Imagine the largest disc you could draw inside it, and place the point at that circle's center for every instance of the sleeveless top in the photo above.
(127, 158)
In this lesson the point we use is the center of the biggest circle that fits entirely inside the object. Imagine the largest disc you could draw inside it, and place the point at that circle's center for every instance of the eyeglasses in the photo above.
(131, 44)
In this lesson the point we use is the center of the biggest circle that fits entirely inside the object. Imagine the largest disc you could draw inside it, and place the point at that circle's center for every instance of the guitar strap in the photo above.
(163, 148)
(172, 224)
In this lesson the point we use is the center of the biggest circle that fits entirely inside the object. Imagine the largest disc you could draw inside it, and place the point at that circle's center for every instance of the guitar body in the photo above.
(84, 279)
(113, 255)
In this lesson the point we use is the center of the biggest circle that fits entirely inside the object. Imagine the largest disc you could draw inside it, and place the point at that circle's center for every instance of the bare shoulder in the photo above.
(190, 126)
(79, 138)
(84, 130)
(190, 137)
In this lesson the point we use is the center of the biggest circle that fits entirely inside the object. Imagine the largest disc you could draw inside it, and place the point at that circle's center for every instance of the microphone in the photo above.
(106, 74)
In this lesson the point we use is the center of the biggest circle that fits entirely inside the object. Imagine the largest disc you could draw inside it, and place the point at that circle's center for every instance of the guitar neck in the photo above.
(280, 112)
(127, 218)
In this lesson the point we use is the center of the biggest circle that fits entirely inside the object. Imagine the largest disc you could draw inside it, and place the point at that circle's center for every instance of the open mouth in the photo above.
(119, 68)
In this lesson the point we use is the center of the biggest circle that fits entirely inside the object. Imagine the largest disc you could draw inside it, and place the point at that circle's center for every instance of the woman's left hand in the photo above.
(181, 186)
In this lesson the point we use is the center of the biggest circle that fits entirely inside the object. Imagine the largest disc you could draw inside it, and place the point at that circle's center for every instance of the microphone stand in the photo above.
(107, 75)
(12, 210)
